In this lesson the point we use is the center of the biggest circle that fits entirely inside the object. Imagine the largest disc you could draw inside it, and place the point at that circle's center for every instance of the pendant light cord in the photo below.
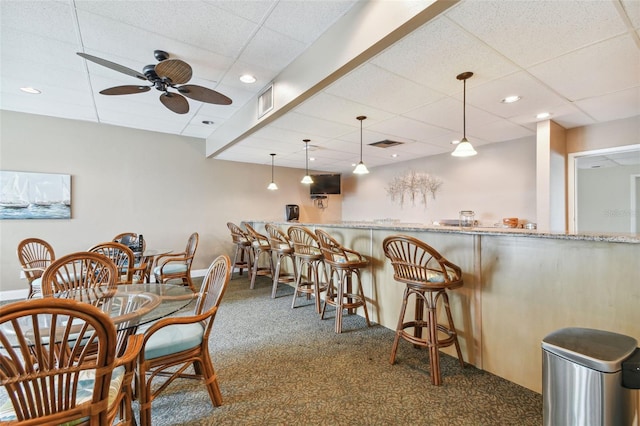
(464, 109)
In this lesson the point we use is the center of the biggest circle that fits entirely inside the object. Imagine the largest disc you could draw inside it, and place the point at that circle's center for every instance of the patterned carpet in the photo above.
(283, 366)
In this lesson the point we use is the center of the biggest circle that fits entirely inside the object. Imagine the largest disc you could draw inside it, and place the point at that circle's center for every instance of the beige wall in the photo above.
(126, 180)
(498, 182)
(605, 135)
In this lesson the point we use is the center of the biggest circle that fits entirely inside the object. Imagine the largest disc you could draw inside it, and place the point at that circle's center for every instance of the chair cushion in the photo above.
(351, 257)
(438, 277)
(37, 284)
(171, 268)
(173, 339)
(257, 243)
(84, 394)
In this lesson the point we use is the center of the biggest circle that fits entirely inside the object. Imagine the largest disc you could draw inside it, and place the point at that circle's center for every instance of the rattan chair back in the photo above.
(35, 255)
(121, 255)
(305, 242)
(416, 263)
(79, 270)
(133, 239)
(42, 370)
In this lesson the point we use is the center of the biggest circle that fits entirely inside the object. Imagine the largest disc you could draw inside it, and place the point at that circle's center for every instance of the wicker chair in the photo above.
(123, 258)
(131, 240)
(177, 343)
(177, 266)
(261, 247)
(242, 251)
(310, 261)
(35, 255)
(427, 276)
(143, 265)
(282, 249)
(79, 270)
(344, 264)
(49, 375)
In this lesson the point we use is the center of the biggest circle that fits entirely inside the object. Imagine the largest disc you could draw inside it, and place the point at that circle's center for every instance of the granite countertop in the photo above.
(497, 231)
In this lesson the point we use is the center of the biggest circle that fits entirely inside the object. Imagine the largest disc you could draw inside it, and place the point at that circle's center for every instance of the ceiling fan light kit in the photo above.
(464, 148)
(166, 74)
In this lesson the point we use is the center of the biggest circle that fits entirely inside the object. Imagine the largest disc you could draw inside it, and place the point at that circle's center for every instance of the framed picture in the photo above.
(30, 195)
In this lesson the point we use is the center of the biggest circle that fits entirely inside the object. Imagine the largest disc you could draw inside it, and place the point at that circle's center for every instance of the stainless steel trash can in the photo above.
(582, 378)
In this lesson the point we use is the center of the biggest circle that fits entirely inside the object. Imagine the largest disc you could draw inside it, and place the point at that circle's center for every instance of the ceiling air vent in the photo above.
(386, 143)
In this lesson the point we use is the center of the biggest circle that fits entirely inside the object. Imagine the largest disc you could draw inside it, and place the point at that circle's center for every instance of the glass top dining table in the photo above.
(133, 305)
(128, 305)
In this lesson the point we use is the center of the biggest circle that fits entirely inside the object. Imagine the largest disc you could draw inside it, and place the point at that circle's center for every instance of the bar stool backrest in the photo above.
(238, 235)
(256, 238)
(277, 238)
(334, 252)
(415, 262)
(304, 241)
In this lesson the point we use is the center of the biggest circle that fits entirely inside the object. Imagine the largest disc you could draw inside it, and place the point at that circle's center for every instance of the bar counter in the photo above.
(519, 286)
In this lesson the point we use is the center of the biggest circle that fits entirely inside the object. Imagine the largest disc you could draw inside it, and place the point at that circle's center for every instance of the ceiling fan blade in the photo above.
(179, 72)
(125, 90)
(112, 65)
(203, 94)
(175, 102)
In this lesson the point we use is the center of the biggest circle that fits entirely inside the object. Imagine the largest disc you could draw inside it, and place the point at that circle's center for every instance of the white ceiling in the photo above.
(577, 59)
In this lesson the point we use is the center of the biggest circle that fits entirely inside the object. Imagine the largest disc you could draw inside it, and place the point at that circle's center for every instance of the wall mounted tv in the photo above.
(325, 184)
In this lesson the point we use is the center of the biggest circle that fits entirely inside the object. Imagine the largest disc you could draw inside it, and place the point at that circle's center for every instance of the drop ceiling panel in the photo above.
(340, 110)
(407, 128)
(306, 22)
(534, 96)
(445, 50)
(547, 51)
(372, 85)
(612, 65)
(271, 50)
(314, 127)
(51, 20)
(550, 28)
(613, 106)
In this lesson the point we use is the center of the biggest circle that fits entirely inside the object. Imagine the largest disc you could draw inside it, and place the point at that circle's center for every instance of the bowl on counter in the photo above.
(510, 222)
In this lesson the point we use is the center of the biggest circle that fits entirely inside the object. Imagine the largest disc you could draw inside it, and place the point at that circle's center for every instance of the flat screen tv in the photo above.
(325, 184)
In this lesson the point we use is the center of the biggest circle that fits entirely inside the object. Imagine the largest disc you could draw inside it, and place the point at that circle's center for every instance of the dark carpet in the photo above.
(283, 366)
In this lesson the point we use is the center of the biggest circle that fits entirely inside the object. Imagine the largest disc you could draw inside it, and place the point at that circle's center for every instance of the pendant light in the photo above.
(306, 179)
(464, 147)
(361, 169)
(272, 186)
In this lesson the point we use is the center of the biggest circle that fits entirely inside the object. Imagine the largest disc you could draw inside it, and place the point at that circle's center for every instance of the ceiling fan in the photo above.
(166, 74)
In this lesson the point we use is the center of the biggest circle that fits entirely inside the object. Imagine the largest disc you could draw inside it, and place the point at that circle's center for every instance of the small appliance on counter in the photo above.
(292, 212)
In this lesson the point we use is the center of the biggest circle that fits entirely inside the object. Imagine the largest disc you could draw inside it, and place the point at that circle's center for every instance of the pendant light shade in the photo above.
(306, 179)
(272, 186)
(361, 169)
(464, 148)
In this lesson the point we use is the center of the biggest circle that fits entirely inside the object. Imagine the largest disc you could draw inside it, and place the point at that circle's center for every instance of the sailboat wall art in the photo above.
(31, 195)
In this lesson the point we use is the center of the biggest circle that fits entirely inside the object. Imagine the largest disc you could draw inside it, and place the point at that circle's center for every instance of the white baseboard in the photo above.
(13, 295)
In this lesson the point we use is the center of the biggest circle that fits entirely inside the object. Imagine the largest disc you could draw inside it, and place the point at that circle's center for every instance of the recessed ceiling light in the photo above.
(543, 115)
(30, 90)
(247, 78)
(394, 155)
(312, 158)
(208, 122)
(455, 142)
(511, 99)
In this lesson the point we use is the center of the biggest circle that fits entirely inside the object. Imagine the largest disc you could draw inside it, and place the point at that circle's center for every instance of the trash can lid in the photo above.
(596, 349)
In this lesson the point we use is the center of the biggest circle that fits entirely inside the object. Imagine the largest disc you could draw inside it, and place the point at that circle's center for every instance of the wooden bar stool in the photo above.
(242, 252)
(427, 276)
(282, 249)
(261, 247)
(310, 262)
(344, 264)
